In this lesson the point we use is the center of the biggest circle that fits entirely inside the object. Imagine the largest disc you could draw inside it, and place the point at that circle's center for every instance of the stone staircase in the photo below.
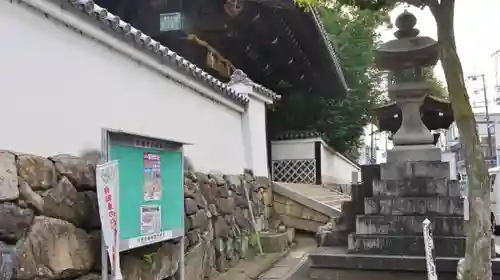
(306, 206)
(405, 195)
(387, 235)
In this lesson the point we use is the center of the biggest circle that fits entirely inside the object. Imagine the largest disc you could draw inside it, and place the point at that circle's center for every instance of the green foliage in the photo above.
(383, 6)
(353, 33)
(437, 87)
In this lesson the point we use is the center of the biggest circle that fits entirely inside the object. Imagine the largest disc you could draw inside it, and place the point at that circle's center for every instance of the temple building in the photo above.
(276, 44)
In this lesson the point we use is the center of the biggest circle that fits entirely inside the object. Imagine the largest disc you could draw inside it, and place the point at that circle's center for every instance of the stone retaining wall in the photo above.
(50, 226)
(295, 215)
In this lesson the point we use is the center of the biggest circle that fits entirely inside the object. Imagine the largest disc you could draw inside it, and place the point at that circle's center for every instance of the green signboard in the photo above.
(151, 196)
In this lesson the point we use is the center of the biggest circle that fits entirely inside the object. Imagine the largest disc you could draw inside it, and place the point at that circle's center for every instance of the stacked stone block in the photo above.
(50, 226)
(217, 213)
(406, 194)
(295, 215)
(336, 231)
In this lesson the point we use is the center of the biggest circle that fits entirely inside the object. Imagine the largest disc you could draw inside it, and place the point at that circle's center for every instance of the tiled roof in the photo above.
(148, 44)
(331, 50)
(299, 134)
(267, 92)
(239, 76)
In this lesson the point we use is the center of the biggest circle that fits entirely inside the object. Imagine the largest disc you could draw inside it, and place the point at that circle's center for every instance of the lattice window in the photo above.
(295, 171)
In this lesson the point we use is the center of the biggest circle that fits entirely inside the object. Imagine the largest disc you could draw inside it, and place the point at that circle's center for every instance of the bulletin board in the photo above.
(151, 195)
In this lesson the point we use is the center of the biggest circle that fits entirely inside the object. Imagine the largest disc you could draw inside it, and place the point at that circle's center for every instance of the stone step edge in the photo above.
(395, 218)
(451, 188)
(446, 205)
(434, 216)
(418, 180)
(437, 239)
(412, 245)
(390, 217)
(330, 258)
(405, 236)
(387, 169)
(413, 197)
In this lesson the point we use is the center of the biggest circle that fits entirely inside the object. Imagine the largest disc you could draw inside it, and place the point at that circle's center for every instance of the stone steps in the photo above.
(412, 170)
(315, 197)
(408, 225)
(330, 259)
(416, 187)
(404, 245)
(437, 205)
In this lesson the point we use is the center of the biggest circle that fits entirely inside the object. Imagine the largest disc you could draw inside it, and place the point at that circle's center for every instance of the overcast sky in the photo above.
(477, 31)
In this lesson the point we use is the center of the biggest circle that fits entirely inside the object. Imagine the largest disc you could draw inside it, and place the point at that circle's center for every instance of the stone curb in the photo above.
(296, 267)
(261, 270)
(253, 272)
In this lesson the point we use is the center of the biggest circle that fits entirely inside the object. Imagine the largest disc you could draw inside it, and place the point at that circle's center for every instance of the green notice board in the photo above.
(151, 204)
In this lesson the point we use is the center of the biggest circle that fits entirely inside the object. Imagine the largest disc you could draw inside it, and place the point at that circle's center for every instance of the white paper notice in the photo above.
(150, 219)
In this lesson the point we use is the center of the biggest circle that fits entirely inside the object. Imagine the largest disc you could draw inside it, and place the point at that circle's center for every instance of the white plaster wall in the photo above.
(254, 129)
(292, 149)
(58, 89)
(257, 115)
(326, 176)
(335, 167)
(450, 157)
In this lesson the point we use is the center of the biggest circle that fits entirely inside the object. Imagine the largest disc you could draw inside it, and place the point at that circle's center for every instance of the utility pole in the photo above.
(487, 113)
(496, 62)
(485, 93)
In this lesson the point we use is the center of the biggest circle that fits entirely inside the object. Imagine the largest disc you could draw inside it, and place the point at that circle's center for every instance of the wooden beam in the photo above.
(290, 34)
(256, 42)
(217, 22)
(274, 47)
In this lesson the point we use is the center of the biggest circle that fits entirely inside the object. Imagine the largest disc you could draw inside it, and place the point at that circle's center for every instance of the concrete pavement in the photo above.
(294, 267)
(287, 266)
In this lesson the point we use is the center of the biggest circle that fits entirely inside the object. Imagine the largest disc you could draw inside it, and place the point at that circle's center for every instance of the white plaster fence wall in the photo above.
(292, 149)
(58, 89)
(294, 161)
(254, 128)
(335, 167)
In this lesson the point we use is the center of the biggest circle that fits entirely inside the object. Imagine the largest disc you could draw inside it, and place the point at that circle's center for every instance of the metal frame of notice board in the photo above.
(134, 152)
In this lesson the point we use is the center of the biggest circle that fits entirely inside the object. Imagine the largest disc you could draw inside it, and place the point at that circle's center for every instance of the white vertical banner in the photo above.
(429, 250)
(108, 187)
(460, 269)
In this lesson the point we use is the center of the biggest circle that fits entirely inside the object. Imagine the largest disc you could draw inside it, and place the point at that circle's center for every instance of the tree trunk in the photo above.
(478, 252)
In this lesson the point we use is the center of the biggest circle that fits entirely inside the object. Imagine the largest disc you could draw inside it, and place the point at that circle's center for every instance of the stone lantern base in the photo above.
(414, 153)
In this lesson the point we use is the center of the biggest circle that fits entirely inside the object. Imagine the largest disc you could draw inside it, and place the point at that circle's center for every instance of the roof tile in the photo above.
(164, 54)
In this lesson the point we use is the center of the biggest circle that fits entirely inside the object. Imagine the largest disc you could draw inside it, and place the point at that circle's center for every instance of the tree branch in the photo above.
(433, 6)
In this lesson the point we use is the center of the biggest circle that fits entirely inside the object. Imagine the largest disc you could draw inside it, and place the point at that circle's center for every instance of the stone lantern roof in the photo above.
(408, 49)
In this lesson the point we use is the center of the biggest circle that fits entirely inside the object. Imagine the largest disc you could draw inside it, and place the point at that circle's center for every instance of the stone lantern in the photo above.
(405, 57)
(387, 223)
